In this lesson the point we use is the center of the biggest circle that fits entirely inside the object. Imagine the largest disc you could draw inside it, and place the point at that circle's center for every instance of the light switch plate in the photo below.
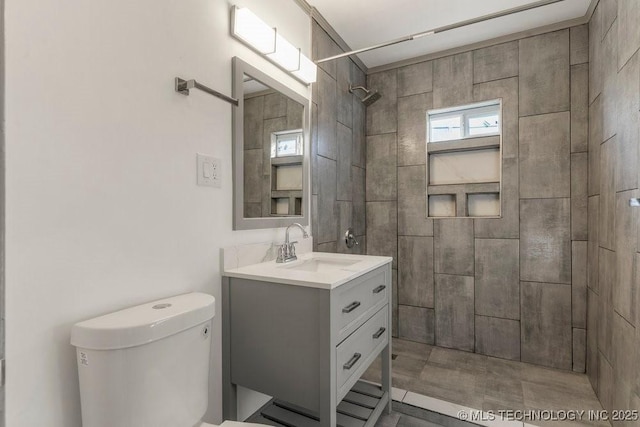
(209, 171)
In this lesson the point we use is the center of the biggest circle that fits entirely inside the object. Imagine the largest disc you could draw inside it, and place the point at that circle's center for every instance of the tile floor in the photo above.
(487, 383)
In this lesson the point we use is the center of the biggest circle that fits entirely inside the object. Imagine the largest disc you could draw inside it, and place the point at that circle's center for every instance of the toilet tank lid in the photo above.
(144, 323)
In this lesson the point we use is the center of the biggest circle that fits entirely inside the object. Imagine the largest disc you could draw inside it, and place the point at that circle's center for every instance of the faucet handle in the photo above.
(292, 249)
(281, 254)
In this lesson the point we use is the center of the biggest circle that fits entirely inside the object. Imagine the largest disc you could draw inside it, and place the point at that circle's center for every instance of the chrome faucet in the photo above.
(287, 252)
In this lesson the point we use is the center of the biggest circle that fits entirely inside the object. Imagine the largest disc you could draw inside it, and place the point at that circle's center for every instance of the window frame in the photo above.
(276, 136)
(465, 112)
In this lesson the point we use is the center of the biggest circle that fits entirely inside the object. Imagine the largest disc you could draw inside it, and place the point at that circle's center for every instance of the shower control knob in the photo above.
(349, 239)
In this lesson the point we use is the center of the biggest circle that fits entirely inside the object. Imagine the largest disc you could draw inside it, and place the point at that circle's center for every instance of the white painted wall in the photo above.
(102, 207)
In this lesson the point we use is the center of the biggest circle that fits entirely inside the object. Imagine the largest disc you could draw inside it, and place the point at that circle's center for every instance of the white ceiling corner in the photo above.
(363, 23)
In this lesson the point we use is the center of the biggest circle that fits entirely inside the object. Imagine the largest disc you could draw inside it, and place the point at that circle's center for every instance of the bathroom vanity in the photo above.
(304, 332)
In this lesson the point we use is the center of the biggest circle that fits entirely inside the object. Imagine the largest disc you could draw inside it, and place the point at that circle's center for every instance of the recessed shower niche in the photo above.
(464, 160)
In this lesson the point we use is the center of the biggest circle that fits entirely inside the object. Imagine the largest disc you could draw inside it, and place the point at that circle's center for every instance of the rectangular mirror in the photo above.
(270, 140)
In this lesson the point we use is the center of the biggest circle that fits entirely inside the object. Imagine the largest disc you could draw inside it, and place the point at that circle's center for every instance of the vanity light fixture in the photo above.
(255, 33)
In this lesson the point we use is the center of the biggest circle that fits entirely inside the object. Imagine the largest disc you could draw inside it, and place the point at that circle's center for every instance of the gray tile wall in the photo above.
(514, 287)
(338, 153)
(613, 300)
(263, 115)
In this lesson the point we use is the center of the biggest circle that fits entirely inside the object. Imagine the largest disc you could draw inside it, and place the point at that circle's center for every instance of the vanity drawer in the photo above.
(356, 301)
(359, 347)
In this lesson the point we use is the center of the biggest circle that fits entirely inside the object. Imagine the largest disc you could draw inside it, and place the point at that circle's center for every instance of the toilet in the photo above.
(147, 366)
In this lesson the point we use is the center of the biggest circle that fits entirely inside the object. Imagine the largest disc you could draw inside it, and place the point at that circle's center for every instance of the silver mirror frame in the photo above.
(240, 68)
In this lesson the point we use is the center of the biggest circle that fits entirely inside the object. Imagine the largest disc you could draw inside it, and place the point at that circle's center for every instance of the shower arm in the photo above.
(362, 88)
(415, 36)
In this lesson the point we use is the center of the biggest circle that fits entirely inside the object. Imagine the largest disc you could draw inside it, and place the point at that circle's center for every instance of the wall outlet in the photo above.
(209, 171)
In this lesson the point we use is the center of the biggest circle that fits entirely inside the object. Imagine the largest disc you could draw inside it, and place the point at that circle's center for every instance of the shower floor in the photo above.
(438, 375)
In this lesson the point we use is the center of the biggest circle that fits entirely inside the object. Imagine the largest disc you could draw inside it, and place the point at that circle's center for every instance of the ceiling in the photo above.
(363, 23)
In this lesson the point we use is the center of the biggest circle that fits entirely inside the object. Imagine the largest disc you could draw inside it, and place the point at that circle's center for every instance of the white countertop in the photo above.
(328, 278)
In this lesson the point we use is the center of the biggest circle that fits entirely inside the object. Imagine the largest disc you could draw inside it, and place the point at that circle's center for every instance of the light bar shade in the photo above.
(286, 54)
(308, 70)
(253, 30)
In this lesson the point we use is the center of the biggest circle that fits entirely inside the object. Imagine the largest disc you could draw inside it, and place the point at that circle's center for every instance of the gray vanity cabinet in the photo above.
(304, 345)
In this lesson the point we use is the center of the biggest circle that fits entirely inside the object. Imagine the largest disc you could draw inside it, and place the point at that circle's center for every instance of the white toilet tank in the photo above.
(146, 366)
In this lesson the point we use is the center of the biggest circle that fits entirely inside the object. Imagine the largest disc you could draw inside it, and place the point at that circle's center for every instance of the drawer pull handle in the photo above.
(351, 307)
(354, 359)
(379, 333)
(379, 289)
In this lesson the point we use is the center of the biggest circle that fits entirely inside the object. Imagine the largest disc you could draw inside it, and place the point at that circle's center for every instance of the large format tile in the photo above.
(327, 207)
(452, 386)
(625, 289)
(253, 122)
(327, 115)
(359, 206)
(498, 337)
(628, 29)
(359, 154)
(628, 129)
(454, 246)
(605, 383)
(394, 301)
(608, 273)
(610, 83)
(545, 156)
(275, 105)
(579, 349)
(382, 229)
(545, 240)
(544, 73)
(625, 351)
(579, 107)
(415, 78)
(495, 62)
(546, 397)
(323, 46)
(609, 15)
(382, 115)
(579, 284)
(415, 271)
(593, 244)
(546, 324)
(579, 202)
(507, 91)
(607, 211)
(416, 324)
(344, 113)
(454, 312)
(453, 80)
(253, 176)
(453, 376)
(508, 225)
(381, 172)
(314, 149)
(579, 45)
(595, 54)
(595, 139)
(412, 128)
(412, 202)
(592, 338)
(497, 278)
(345, 218)
(344, 189)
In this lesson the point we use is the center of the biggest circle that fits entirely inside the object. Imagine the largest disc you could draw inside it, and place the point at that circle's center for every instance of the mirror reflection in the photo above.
(273, 152)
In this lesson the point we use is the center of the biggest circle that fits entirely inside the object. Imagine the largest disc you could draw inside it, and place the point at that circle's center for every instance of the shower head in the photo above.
(371, 96)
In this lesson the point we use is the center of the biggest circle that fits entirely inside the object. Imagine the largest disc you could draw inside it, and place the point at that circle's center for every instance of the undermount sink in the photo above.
(321, 264)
